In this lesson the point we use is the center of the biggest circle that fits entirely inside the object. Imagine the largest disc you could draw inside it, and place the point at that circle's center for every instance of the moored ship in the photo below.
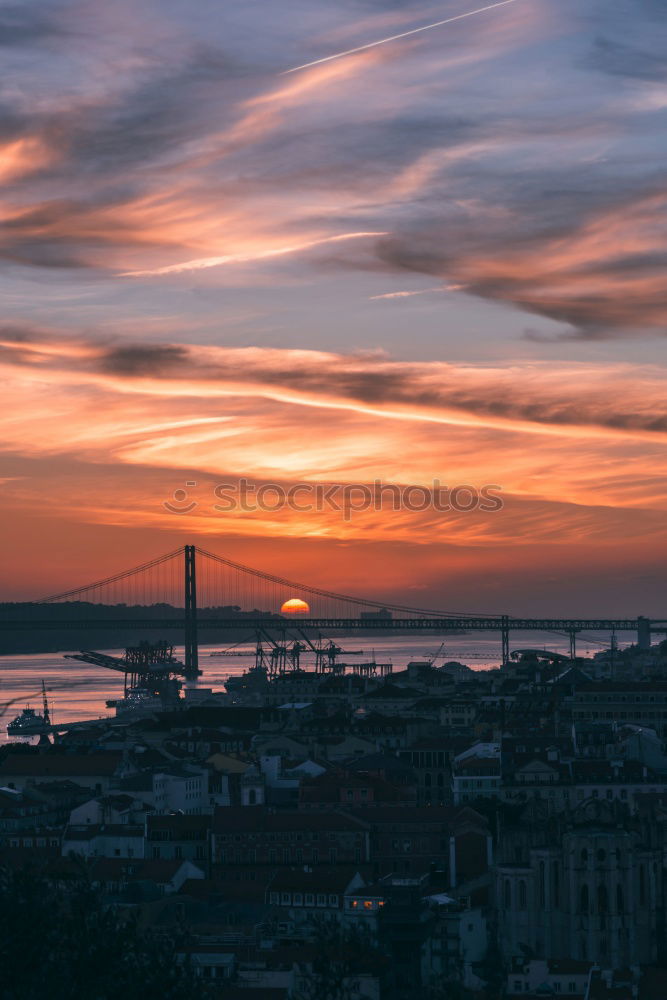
(30, 722)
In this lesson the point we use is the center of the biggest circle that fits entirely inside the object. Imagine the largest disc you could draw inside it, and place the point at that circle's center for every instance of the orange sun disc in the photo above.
(295, 606)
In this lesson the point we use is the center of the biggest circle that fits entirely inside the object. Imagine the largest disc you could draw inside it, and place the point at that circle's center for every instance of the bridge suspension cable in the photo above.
(107, 581)
(330, 594)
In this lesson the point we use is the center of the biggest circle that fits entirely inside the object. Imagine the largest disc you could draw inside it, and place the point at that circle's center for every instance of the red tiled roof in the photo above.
(92, 830)
(242, 890)
(237, 819)
(254, 993)
(61, 765)
(178, 822)
(320, 879)
(136, 869)
(424, 816)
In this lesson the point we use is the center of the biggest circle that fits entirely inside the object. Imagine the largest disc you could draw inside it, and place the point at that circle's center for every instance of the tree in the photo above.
(339, 955)
(61, 941)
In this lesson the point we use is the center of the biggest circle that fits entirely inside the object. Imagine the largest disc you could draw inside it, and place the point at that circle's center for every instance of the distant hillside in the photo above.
(61, 635)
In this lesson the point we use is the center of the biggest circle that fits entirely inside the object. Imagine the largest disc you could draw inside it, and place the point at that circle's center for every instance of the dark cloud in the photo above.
(19, 334)
(370, 381)
(374, 382)
(621, 59)
(354, 153)
(144, 359)
(28, 24)
(155, 117)
(571, 255)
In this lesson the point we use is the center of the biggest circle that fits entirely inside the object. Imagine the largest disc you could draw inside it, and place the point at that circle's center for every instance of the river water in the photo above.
(79, 691)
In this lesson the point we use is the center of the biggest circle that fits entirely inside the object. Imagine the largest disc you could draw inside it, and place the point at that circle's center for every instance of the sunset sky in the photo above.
(440, 258)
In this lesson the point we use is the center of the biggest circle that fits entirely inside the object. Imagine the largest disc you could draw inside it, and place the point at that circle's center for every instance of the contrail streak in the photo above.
(394, 38)
(202, 262)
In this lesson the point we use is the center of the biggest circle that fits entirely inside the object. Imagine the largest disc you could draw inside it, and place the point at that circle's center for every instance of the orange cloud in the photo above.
(577, 452)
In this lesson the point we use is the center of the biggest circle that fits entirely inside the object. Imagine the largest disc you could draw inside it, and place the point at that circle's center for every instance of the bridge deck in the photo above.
(433, 624)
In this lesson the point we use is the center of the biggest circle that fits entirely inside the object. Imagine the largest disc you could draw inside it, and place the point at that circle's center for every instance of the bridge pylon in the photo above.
(505, 640)
(191, 646)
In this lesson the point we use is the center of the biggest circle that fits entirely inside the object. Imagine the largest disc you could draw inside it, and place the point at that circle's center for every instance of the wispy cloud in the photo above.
(204, 262)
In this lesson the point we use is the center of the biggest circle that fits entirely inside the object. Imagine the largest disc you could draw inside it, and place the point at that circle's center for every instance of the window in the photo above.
(555, 883)
(523, 896)
(507, 894)
(583, 899)
(333, 899)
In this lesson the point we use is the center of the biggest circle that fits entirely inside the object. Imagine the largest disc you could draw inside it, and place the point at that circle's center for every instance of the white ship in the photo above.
(30, 722)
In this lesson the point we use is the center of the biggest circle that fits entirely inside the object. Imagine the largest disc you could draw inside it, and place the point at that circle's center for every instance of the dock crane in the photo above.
(152, 666)
(47, 714)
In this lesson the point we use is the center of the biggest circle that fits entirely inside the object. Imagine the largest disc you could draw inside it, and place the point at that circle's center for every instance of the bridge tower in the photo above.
(505, 639)
(191, 649)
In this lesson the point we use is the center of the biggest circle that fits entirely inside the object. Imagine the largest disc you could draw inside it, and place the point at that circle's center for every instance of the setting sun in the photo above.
(295, 606)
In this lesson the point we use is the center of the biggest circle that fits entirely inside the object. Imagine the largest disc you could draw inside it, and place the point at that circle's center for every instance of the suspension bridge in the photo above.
(192, 590)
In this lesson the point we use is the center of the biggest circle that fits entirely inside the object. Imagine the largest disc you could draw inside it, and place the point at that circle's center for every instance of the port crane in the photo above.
(45, 703)
(150, 666)
(280, 656)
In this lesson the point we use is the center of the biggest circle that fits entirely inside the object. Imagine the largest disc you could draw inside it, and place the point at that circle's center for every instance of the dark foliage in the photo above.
(60, 941)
